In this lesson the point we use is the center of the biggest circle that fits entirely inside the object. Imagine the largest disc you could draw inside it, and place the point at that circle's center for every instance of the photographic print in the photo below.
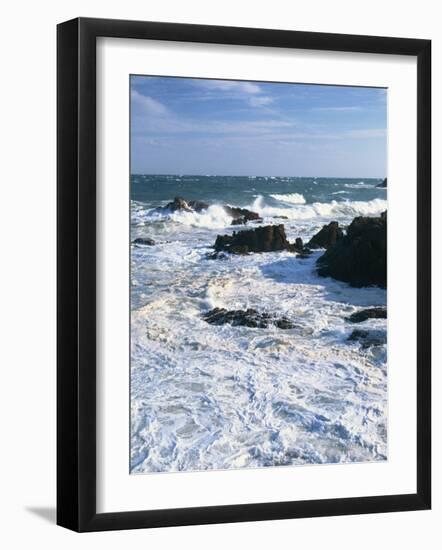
(258, 287)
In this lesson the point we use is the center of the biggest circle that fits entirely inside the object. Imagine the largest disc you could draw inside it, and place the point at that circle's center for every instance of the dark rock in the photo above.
(241, 214)
(301, 250)
(364, 314)
(245, 318)
(146, 241)
(383, 183)
(327, 236)
(239, 221)
(304, 253)
(360, 257)
(269, 238)
(198, 205)
(368, 338)
(178, 203)
(217, 256)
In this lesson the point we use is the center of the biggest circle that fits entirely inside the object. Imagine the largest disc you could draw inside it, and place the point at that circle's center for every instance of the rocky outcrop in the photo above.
(327, 236)
(240, 215)
(360, 257)
(383, 183)
(365, 314)
(269, 238)
(368, 338)
(179, 203)
(245, 318)
(144, 241)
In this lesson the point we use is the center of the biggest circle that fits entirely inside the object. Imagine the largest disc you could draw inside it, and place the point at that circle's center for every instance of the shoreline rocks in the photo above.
(240, 216)
(360, 257)
(383, 184)
(179, 203)
(368, 338)
(327, 236)
(245, 318)
(370, 313)
(144, 241)
(269, 238)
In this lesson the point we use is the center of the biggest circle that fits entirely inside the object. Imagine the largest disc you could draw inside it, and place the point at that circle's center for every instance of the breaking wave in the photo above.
(292, 198)
(337, 209)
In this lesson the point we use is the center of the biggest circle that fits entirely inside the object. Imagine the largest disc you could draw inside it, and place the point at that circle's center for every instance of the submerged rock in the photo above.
(145, 241)
(368, 338)
(360, 257)
(269, 238)
(371, 313)
(327, 236)
(383, 183)
(246, 318)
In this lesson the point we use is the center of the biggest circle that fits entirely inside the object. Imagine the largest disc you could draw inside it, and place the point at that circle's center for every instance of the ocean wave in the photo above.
(293, 198)
(359, 185)
(335, 209)
(216, 217)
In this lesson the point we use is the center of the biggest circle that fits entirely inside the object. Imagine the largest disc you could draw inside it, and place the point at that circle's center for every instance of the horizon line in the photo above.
(255, 176)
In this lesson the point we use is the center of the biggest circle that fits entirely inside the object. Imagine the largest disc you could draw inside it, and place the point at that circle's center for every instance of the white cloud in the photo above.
(150, 105)
(348, 108)
(259, 101)
(231, 85)
(368, 133)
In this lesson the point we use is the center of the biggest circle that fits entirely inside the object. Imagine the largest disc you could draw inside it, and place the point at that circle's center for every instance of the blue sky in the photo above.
(222, 127)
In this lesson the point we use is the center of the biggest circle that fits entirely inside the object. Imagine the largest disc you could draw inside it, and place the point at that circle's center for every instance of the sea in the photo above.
(207, 397)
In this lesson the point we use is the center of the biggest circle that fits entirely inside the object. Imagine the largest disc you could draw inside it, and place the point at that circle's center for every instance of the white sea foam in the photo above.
(216, 217)
(214, 397)
(292, 198)
(207, 396)
(359, 185)
(336, 209)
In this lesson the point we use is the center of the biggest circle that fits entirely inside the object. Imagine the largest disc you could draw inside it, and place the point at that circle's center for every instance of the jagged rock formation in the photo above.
(360, 257)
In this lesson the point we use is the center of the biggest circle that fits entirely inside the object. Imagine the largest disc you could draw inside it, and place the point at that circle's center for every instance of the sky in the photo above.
(232, 127)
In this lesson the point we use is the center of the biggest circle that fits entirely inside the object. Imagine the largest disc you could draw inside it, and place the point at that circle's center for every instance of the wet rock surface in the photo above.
(327, 236)
(365, 314)
(246, 318)
(368, 338)
(179, 203)
(144, 241)
(240, 215)
(360, 257)
(269, 238)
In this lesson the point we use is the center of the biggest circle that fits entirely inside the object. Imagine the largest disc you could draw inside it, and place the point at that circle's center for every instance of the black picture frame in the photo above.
(77, 287)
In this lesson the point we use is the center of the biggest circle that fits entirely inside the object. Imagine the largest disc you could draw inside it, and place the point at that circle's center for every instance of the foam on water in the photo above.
(216, 397)
(336, 209)
(292, 198)
(216, 217)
